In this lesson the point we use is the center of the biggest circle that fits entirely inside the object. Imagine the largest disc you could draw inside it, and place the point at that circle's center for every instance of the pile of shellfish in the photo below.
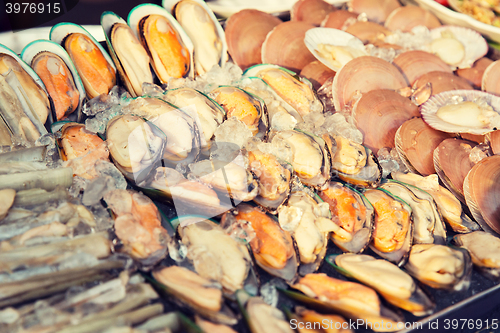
(175, 176)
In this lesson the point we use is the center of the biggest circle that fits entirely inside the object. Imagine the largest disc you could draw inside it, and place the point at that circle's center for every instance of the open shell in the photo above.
(429, 111)
(407, 17)
(210, 46)
(415, 143)
(386, 108)
(246, 30)
(414, 64)
(130, 57)
(284, 46)
(482, 192)
(137, 19)
(452, 164)
(351, 46)
(475, 46)
(30, 52)
(61, 34)
(364, 74)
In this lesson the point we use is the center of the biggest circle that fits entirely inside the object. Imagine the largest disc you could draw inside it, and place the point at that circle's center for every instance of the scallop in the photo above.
(407, 17)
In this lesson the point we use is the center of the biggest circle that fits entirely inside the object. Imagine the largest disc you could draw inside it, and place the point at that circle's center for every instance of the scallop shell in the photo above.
(475, 74)
(452, 164)
(365, 74)
(494, 140)
(311, 11)
(284, 46)
(442, 81)
(475, 45)
(317, 36)
(245, 33)
(337, 19)
(376, 10)
(317, 73)
(490, 82)
(388, 110)
(429, 110)
(414, 64)
(407, 17)
(368, 32)
(482, 193)
(415, 143)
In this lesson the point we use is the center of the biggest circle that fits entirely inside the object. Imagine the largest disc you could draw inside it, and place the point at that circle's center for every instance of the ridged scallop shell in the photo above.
(316, 73)
(311, 11)
(284, 46)
(379, 114)
(475, 45)
(245, 33)
(365, 74)
(376, 10)
(482, 193)
(407, 17)
(337, 19)
(452, 163)
(414, 64)
(490, 81)
(317, 36)
(475, 74)
(415, 143)
(430, 108)
(494, 140)
(368, 32)
(442, 81)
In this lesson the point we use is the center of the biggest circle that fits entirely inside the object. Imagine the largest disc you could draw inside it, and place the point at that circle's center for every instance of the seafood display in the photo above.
(207, 175)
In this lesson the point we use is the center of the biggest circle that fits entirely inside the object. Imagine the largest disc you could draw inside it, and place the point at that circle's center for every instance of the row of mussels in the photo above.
(259, 168)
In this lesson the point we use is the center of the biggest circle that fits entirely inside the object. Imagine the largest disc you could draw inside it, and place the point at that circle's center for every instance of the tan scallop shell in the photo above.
(475, 74)
(362, 75)
(379, 114)
(368, 32)
(408, 17)
(494, 140)
(337, 19)
(442, 81)
(317, 73)
(414, 64)
(311, 11)
(376, 10)
(245, 32)
(491, 78)
(284, 46)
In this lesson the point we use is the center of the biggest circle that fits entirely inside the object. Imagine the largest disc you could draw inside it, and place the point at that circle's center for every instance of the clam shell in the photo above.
(317, 36)
(442, 81)
(368, 32)
(489, 81)
(415, 143)
(317, 73)
(32, 49)
(376, 10)
(407, 17)
(311, 11)
(245, 32)
(475, 74)
(482, 193)
(414, 64)
(388, 110)
(430, 108)
(337, 19)
(475, 45)
(364, 74)
(284, 46)
(452, 164)
(494, 140)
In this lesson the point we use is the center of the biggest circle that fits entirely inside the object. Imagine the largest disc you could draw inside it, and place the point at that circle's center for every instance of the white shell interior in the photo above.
(475, 45)
(330, 36)
(429, 110)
